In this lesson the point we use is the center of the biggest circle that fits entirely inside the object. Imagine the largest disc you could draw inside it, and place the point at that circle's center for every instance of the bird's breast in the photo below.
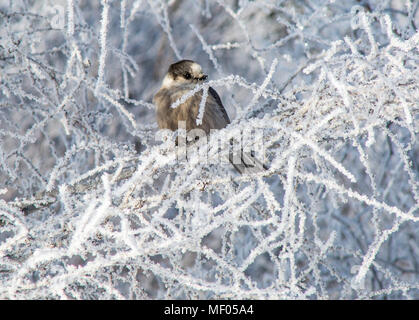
(168, 117)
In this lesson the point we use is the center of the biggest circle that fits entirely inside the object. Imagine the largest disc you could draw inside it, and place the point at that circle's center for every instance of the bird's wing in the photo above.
(217, 99)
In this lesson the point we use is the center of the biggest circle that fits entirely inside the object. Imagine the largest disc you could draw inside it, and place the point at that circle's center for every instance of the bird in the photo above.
(182, 77)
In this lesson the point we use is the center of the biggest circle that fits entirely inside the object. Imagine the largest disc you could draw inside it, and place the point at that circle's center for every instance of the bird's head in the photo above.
(184, 72)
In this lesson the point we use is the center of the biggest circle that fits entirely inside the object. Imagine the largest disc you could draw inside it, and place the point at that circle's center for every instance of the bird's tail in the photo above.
(246, 162)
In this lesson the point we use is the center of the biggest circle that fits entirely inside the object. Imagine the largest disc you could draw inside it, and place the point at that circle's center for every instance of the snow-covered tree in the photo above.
(94, 203)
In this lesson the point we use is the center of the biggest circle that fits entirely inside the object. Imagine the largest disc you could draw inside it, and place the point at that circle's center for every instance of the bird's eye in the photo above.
(187, 75)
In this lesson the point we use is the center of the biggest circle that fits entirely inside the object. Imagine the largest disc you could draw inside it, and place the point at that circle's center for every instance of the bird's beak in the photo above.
(203, 77)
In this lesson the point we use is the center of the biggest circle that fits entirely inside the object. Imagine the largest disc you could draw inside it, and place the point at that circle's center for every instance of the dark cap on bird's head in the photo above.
(186, 69)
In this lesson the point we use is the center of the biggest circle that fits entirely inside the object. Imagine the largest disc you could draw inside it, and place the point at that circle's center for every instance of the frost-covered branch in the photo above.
(326, 91)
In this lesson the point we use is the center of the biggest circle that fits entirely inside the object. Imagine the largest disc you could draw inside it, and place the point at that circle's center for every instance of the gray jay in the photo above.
(181, 78)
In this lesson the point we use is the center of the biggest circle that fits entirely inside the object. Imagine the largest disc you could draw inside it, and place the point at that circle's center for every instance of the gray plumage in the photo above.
(181, 78)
